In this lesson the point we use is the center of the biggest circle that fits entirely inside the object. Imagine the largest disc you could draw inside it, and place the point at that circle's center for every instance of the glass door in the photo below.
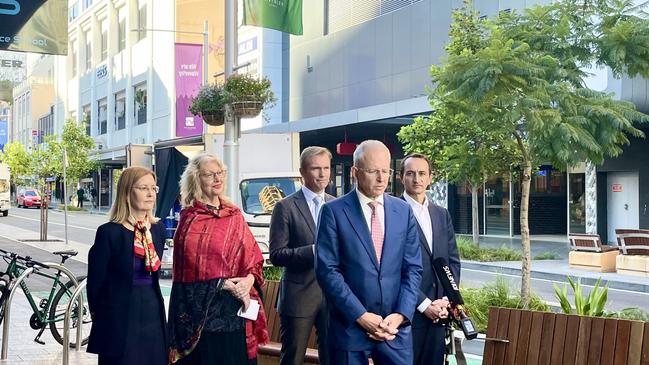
(497, 217)
(577, 203)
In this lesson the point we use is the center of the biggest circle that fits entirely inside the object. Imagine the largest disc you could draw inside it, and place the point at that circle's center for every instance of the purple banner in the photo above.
(189, 76)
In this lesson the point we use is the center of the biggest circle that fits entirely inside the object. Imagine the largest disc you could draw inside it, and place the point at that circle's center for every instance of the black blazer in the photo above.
(110, 281)
(444, 245)
(292, 234)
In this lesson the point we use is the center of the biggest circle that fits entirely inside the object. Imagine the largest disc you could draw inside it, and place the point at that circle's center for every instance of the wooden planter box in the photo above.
(520, 337)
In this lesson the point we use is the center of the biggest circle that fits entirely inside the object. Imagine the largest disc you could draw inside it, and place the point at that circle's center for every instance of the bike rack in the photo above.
(65, 270)
(7, 309)
(66, 322)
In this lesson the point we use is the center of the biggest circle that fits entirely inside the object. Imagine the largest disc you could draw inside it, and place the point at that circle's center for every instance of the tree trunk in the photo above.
(525, 228)
(475, 215)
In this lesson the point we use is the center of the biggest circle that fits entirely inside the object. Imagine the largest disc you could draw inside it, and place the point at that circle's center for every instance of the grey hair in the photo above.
(313, 151)
(190, 186)
(359, 153)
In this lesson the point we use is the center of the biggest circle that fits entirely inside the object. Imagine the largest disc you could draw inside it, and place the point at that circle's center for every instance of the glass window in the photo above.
(121, 33)
(120, 110)
(73, 55)
(141, 20)
(258, 196)
(86, 4)
(86, 117)
(88, 51)
(104, 39)
(102, 112)
(140, 103)
(73, 12)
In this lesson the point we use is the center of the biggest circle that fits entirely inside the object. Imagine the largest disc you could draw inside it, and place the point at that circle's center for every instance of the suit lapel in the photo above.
(422, 236)
(356, 218)
(436, 226)
(390, 217)
(303, 208)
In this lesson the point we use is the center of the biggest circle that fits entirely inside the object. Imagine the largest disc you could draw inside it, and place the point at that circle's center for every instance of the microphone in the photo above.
(457, 312)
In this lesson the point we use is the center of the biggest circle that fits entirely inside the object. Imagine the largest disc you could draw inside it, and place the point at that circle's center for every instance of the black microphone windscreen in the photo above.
(446, 278)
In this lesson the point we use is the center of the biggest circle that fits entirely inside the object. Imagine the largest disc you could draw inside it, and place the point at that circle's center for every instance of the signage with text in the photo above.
(39, 26)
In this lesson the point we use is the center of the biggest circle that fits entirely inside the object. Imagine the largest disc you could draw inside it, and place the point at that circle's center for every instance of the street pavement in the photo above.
(624, 291)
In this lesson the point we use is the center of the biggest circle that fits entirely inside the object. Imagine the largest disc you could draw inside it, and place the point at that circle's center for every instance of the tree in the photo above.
(462, 148)
(527, 79)
(16, 157)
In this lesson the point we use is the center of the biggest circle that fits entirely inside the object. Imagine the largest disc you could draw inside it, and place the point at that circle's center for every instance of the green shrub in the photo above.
(470, 251)
(590, 305)
(478, 300)
(71, 208)
(634, 314)
(272, 273)
(547, 256)
(244, 87)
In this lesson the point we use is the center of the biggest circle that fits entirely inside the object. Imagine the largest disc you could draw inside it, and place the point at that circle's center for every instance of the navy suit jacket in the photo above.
(351, 277)
(444, 246)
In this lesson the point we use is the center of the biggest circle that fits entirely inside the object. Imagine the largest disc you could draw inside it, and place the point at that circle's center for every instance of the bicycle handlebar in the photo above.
(27, 260)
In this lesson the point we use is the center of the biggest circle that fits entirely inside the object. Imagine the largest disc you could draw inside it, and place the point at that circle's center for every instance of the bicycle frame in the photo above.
(14, 270)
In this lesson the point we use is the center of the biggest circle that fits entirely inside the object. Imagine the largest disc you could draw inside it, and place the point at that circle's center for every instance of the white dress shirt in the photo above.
(367, 211)
(309, 195)
(422, 215)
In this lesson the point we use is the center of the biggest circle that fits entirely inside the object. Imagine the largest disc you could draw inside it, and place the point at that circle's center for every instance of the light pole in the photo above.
(232, 128)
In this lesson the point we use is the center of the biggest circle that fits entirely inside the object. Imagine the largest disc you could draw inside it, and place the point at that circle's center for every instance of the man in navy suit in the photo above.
(437, 239)
(368, 264)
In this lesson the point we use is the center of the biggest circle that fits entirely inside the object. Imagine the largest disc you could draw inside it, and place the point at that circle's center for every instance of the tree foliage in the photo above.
(520, 88)
(15, 156)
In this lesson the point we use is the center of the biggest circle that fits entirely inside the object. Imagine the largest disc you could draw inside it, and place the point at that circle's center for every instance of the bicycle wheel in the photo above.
(57, 315)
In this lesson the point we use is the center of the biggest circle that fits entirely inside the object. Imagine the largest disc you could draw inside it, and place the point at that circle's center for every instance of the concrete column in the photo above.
(591, 198)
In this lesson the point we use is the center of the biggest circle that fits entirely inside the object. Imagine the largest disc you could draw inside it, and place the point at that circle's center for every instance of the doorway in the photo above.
(622, 202)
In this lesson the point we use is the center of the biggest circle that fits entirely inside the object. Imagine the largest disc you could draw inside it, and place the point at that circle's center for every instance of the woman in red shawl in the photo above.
(217, 270)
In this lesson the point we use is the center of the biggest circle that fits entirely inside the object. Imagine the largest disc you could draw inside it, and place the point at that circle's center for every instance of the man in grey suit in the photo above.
(292, 238)
(437, 239)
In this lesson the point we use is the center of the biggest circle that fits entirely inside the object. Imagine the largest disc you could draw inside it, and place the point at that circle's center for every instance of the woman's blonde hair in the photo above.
(121, 210)
(190, 181)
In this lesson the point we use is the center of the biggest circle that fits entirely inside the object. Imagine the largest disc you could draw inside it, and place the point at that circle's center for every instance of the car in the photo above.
(28, 198)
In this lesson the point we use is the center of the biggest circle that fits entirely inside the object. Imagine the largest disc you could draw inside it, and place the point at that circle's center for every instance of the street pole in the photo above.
(98, 190)
(231, 131)
(65, 193)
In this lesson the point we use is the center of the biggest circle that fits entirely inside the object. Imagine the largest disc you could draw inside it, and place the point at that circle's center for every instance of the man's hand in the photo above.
(371, 324)
(437, 310)
(391, 324)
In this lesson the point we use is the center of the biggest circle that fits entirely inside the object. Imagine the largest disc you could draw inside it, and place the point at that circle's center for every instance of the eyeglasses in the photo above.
(144, 189)
(212, 175)
(376, 172)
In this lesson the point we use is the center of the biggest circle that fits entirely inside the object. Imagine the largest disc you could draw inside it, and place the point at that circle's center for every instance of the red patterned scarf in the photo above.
(143, 247)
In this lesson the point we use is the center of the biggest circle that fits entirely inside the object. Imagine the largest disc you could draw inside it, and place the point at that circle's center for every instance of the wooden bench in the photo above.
(634, 249)
(588, 252)
(520, 337)
(269, 354)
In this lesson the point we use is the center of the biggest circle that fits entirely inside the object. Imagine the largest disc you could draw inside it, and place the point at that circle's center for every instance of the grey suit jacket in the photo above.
(444, 245)
(292, 234)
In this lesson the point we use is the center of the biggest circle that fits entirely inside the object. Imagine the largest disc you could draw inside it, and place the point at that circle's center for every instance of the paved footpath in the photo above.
(22, 349)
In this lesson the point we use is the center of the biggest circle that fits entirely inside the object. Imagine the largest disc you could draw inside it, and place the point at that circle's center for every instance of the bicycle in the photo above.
(50, 311)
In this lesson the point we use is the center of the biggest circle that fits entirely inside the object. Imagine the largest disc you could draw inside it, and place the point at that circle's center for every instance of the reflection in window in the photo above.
(140, 103)
(103, 116)
(120, 110)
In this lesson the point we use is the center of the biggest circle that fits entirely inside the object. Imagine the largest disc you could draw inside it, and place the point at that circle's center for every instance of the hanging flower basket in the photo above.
(214, 119)
(247, 109)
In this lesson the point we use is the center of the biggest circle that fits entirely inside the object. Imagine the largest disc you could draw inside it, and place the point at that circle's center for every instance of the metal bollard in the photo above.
(5, 326)
(66, 322)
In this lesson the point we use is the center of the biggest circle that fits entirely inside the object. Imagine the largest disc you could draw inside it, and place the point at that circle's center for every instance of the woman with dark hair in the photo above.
(128, 315)
(217, 274)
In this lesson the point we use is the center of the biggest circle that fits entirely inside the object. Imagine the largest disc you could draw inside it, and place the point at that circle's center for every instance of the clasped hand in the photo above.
(240, 288)
(378, 328)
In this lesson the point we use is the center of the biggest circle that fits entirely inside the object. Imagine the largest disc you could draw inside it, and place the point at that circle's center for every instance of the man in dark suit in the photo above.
(292, 238)
(437, 239)
(368, 263)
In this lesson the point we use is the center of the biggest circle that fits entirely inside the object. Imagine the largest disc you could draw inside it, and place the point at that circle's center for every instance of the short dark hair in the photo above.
(414, 155)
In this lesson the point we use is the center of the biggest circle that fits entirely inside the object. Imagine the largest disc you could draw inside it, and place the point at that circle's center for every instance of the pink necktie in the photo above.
(376, 230)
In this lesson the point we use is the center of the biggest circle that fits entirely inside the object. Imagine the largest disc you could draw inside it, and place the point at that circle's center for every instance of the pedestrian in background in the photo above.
(126, 305)
(80, 194)
(217, 273)
(93, 196)
(301, 304)
(437, 239)
(368, 264)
